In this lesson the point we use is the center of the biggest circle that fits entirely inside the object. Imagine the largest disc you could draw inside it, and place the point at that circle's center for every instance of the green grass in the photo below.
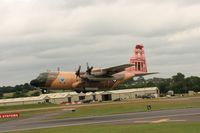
(26, 106)
(27, 114)
(108, 109)
(133, 106)
(143, 128)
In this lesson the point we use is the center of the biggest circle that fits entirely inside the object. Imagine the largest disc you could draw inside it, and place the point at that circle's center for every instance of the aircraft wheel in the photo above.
(78, 91)
(84, 92)
(44, 91)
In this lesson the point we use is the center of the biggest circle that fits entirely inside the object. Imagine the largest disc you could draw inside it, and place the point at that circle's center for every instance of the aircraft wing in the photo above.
(106, 73)
(145, 74)
(116, 69)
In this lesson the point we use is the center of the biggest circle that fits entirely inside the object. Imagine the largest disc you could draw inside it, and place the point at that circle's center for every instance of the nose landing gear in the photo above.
(44, 91)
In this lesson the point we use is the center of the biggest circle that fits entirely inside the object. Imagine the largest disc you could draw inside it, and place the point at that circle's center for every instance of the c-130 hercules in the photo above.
(94, 78)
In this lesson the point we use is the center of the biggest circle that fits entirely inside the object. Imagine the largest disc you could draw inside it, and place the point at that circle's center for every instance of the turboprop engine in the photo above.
(98, 72)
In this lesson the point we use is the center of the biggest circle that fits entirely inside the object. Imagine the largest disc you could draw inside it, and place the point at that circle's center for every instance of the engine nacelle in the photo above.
(98, 72)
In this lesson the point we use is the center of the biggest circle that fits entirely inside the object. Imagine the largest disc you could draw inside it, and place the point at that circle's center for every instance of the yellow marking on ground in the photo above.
(157, 121)
(160, 121)
(177, 120)
(138, 122)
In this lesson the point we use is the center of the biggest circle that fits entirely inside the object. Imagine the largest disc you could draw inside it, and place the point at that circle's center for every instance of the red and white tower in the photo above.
(139, 60)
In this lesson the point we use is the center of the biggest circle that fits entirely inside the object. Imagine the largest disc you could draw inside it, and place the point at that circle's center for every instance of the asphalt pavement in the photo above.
(191, 114)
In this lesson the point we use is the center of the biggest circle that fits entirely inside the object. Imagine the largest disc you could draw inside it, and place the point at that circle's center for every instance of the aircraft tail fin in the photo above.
(138, 60)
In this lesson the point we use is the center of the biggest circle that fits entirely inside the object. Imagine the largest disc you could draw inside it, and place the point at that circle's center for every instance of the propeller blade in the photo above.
(78, 72)
(87, 66)
(89, 69)
(79, 68)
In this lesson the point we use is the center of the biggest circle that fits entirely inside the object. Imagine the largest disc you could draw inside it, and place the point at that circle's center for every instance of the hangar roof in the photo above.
(66, 94)
(134, 90)
(11, 100)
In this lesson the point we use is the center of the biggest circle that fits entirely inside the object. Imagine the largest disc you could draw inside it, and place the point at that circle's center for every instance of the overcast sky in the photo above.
(36, 35)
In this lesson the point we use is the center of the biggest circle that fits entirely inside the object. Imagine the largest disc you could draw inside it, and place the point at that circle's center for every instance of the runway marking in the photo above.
(177, 120)
(155, 121)
(99, 122)
(159, 121)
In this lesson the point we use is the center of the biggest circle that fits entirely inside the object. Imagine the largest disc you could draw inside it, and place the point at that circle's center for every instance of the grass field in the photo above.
(105, 108)
(26, 114)
(116, 108)
(27, 106)
(109, 128)
(132, 106)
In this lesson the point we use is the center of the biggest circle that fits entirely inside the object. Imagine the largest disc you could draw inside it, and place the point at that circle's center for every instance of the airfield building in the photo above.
(73, 97)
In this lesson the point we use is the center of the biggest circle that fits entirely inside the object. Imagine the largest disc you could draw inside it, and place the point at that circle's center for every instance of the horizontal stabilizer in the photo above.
(145, 74)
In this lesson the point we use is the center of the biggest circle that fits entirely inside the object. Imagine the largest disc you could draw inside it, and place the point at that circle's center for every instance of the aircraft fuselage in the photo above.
(69, 81)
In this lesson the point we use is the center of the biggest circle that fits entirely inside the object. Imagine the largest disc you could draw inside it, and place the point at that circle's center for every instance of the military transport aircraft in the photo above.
(92, 79)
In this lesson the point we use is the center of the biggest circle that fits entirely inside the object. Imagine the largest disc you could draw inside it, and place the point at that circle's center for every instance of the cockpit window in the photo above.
(42, 76)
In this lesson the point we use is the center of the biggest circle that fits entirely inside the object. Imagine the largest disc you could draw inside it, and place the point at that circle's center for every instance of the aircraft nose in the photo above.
(35, 83)
(40, 81)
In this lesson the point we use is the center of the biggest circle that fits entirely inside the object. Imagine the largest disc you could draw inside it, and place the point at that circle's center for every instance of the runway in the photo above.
(191, 114)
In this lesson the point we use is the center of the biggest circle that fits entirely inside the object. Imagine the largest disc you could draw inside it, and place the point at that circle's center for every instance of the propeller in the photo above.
(89, 69)
(78, 72)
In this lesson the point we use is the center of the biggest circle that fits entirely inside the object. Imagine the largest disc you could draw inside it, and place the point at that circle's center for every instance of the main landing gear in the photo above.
(84, 91)
(78, 91)
(44, 91)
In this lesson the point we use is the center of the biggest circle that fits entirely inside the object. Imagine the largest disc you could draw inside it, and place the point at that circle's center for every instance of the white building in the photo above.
(69, 97)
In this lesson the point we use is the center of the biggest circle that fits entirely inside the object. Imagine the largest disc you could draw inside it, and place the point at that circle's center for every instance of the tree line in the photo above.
(178, 83)
(18, 90)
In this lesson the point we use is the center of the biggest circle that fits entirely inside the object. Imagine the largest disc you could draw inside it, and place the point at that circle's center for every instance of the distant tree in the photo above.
(150, 84)
(19, 94)
(1, 95)
(6, 89)
(193, 83)
(178, 83)
(36, 93)
(164, 87)
(178, 78)
(27, 86)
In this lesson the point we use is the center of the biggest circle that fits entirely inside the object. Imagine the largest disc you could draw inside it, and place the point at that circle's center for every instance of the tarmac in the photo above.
(178, 115)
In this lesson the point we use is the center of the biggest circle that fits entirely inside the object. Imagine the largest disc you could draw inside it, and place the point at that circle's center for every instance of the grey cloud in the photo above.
(38, 35)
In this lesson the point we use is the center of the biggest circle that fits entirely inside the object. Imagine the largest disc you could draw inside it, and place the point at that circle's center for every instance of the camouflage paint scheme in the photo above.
(97, 78)
(69, 80)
